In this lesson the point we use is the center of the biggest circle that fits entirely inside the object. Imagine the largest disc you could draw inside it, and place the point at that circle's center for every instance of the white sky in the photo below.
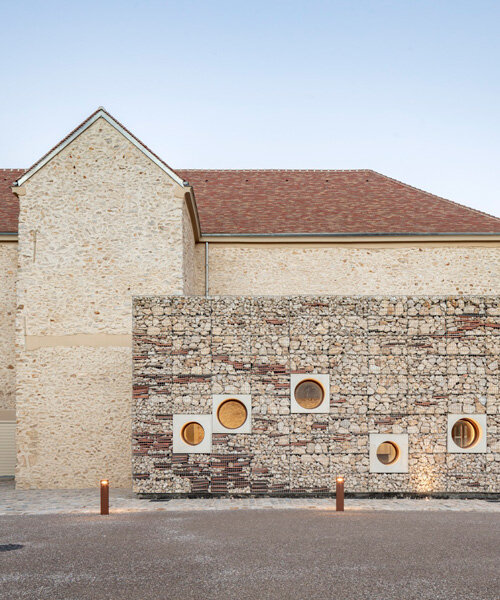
(410, 89)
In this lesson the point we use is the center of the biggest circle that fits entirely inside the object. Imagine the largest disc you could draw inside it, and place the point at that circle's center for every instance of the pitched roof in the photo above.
(9, 203)
(294, 202)
(324, 202)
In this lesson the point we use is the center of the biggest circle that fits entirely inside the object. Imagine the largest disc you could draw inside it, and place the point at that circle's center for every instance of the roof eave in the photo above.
(345, 237)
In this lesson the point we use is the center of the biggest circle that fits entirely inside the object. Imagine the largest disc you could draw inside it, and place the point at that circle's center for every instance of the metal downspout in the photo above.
(206, 268)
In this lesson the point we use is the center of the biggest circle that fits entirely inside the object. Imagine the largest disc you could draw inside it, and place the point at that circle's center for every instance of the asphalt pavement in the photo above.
(251, 554)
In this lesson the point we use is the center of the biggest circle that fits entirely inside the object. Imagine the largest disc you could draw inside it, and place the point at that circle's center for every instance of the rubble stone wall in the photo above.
(8, 275)
(442, 269)
(396, 365)
(98, 224)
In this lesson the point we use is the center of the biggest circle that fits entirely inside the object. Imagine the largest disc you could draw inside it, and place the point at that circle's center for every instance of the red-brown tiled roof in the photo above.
(281, 201)
(9, 203)
(314, 201)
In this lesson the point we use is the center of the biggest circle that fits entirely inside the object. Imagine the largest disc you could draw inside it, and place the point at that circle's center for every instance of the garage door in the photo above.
(7, 448)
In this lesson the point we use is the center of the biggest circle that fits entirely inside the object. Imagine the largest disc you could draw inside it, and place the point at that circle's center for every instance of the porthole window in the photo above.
(387, 453)
(193, 433)
(232, 413)
(467, 433)
(309, 393)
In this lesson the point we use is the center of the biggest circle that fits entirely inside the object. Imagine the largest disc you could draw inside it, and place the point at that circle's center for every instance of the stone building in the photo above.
(278, 328)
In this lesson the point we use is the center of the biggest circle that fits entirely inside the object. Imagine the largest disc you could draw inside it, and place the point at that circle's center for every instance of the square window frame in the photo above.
(323, 380)
(179, 446)
(480, 447)
(218, 399)
(401, 440)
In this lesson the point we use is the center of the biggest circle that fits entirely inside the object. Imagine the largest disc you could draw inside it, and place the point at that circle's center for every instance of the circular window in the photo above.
(388, 453)
(309, 394)
(192, 433)
(465, 433)
(232, 414)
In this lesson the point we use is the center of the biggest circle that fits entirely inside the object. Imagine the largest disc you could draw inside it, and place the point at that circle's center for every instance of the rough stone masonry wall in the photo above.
(396, 365)
(260, 269)
(8, 273)
(99, 223)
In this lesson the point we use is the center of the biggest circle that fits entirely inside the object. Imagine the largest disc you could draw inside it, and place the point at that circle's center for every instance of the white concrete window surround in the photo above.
(400, 442)
(234, 415)
(478, 422)
(180, 446)
(322, 380)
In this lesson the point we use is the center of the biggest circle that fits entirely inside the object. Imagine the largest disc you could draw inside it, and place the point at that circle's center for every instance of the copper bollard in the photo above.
(339, 493)
(104, 497)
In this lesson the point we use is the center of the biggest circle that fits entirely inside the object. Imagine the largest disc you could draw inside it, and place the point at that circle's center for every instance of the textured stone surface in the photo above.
(277, 269)
(192, 279)
(396, 365)
(75, 418)
(99, 223)
(8, 274)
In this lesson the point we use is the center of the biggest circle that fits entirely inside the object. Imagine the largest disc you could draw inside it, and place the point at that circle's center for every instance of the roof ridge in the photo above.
(279, 170)
(412, 187)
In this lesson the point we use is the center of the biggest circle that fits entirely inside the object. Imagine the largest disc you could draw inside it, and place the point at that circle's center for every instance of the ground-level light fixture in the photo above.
(104, 497)
(339, 494)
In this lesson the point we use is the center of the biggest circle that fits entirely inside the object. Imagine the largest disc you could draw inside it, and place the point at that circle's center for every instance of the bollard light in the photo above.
(339, 493)
(104, 497)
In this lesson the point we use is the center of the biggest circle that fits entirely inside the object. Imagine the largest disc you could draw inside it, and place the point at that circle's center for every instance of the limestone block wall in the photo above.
(397, 365)
(8, 274)
(99, 223)
(255, 269)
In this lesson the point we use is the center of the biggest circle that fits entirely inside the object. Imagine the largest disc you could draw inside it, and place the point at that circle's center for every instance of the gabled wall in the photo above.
(99, 223)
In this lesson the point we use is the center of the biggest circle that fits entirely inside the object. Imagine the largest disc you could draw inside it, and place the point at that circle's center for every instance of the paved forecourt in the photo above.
(25, 502)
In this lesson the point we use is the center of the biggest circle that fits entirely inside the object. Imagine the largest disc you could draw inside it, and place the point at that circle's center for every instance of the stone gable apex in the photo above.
(185, 189)
(100, 113)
